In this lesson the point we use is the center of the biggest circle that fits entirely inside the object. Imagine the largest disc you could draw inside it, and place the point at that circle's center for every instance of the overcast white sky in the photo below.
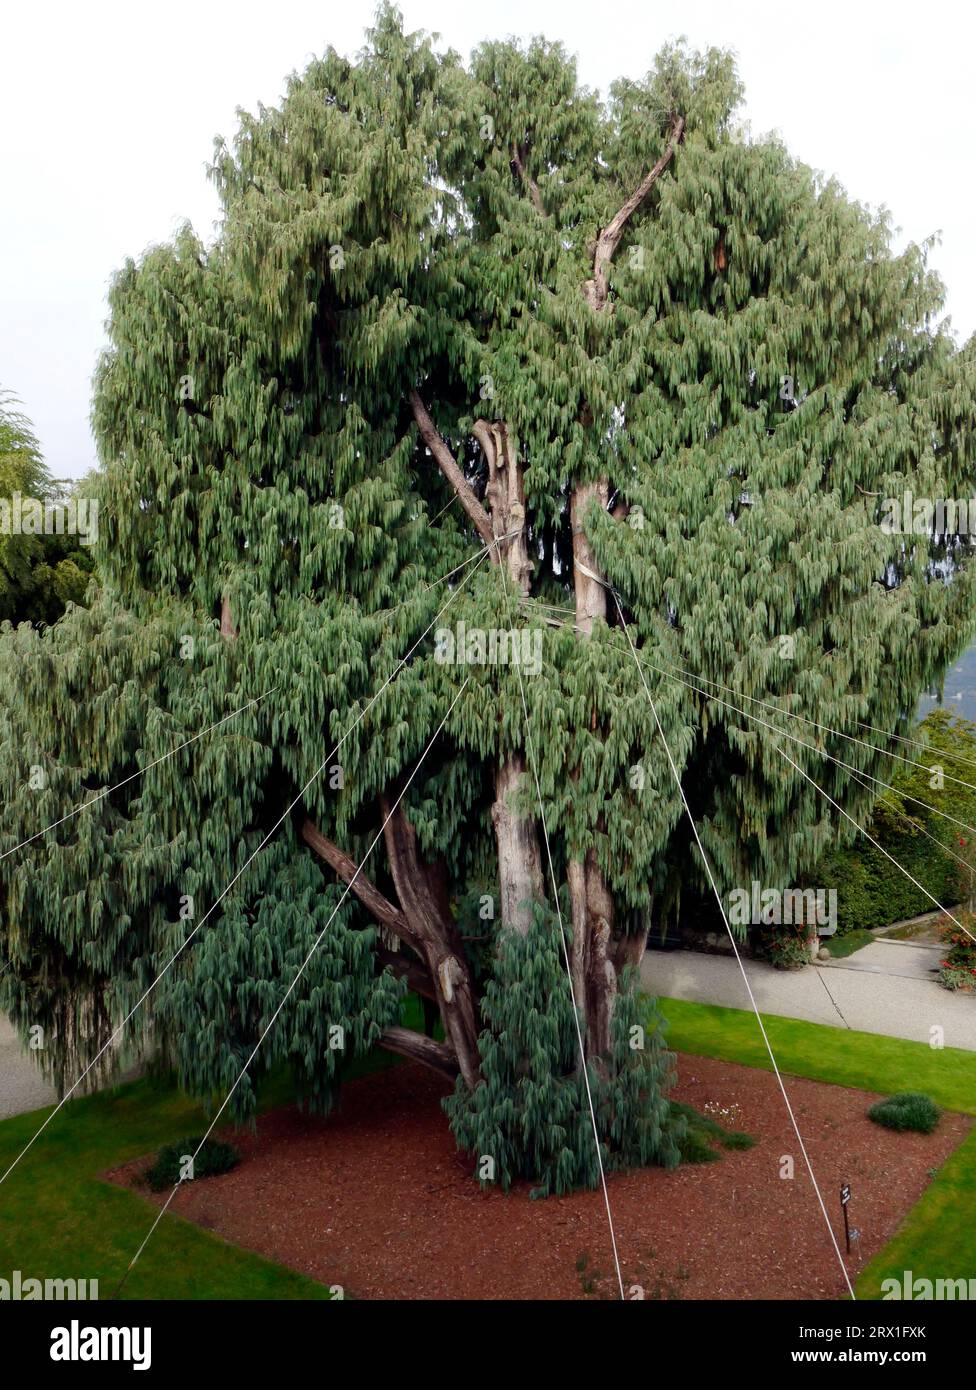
(108, 112)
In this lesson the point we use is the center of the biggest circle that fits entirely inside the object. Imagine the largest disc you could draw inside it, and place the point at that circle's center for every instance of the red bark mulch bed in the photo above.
(377, 1199)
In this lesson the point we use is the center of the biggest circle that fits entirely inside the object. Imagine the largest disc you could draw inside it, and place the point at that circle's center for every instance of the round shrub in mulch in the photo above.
(908, 1110)
(215, 1157)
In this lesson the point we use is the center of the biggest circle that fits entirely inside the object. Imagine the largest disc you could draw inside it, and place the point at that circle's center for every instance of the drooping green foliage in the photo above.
(763, 371)
(39, 573)
(531, 1118)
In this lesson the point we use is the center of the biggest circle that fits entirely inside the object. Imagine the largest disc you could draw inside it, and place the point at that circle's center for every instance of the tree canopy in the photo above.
(474, 321)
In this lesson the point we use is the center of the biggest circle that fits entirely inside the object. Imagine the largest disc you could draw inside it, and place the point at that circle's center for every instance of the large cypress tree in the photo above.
(473, 316)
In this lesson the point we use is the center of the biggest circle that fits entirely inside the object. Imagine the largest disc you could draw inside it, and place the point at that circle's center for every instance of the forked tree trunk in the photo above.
(432, 961)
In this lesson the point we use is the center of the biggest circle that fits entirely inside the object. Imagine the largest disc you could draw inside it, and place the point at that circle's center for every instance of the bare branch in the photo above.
(448, 466)
(609, 238)
(368, 894)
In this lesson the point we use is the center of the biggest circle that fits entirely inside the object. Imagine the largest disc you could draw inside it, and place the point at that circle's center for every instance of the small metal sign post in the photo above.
(845, 1197)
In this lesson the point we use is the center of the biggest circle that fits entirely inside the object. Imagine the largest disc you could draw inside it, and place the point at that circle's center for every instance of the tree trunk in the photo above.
(591, 594)
(516, 835)
(519, 860)
(594, 951)
(593, 971)
(598, 956)
(227, 628)
(423, 899)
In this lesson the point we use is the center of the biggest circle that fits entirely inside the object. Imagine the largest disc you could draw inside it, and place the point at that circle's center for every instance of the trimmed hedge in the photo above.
(872, 892)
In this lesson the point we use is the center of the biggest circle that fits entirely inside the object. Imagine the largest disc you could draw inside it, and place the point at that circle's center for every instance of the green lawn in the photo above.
(935, 1240)
(57, 1220)
(851, 941)
(866, 1061)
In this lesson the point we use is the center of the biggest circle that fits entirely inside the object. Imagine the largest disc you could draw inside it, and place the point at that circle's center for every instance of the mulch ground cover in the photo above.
(376, 1198)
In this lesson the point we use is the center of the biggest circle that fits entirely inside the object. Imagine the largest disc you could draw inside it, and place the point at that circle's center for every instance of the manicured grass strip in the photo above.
(865, 1061)
(935, 1241)
(846, 945)
(57, 1220)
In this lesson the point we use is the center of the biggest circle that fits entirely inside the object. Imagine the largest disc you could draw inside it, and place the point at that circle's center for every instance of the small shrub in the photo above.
(785, 947)
(215, 1157)
(910, 1110)
(695, 1148)
(952, 978)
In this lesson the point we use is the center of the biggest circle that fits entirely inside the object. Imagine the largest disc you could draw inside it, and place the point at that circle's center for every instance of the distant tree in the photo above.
(39, 574)
(455, 308)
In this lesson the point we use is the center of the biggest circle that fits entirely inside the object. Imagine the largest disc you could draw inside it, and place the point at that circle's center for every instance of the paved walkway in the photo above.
(887, 987)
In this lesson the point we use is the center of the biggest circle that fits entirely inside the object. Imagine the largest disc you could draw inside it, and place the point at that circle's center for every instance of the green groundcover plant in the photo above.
(958, 966)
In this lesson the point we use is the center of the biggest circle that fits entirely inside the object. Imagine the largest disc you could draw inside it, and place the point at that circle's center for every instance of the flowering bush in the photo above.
(959, 962)
(732, 1113)
(786, 947)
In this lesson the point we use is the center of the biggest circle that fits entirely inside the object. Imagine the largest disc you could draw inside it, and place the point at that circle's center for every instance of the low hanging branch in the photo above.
(420, 1049)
